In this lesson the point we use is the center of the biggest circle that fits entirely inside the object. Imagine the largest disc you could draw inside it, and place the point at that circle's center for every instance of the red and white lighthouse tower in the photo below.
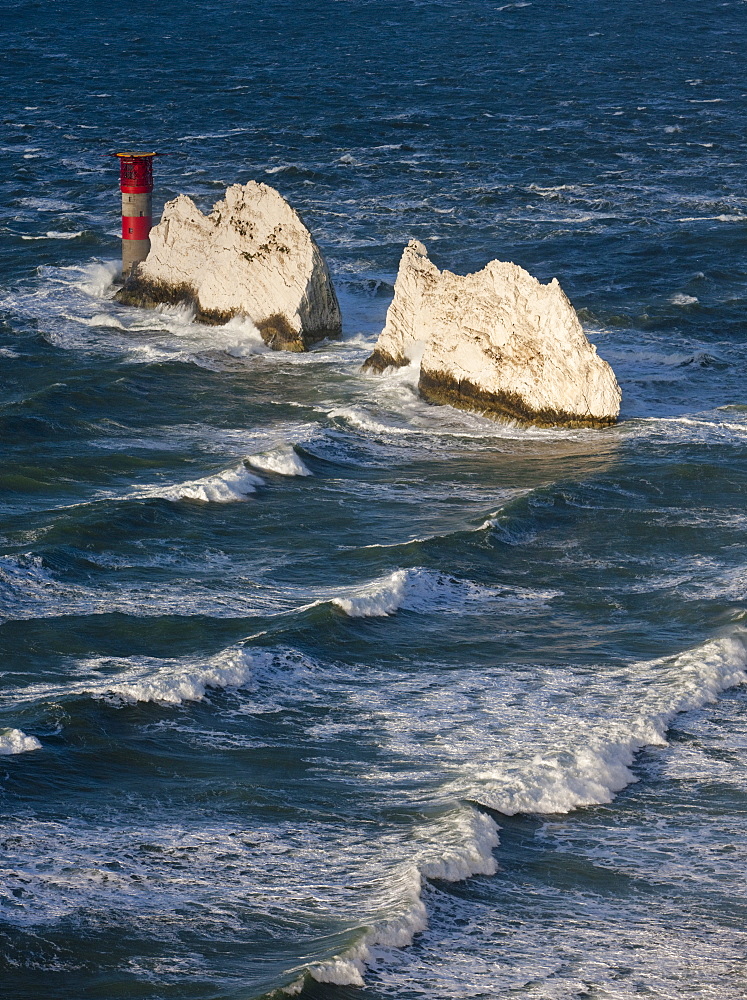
(136, 183)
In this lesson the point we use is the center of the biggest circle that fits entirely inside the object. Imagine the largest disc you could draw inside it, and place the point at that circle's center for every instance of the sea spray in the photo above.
(14, 741)
(223, 487)
(283, 461)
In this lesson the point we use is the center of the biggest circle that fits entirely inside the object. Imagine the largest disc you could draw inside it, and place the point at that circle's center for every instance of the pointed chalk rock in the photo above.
(497, 342)
(252, 256)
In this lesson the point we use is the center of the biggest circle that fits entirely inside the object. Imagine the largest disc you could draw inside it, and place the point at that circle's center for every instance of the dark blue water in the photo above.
(309, 684)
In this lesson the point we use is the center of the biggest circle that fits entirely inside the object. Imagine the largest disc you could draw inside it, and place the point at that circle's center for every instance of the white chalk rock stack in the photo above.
(497, 342)
(251, 256)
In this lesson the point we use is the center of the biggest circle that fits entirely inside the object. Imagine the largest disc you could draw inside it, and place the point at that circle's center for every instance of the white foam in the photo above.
(48, 205)
(713, 218)
(680, 299)
(424, 590)
(591, 771)
(589, 767)
(52, 234)
(408, 420)
(99, 319)
(176, 681)
(224, 487)
(381, 597)
(565, 936)
(14, 741)
(723, 424)
(24, 578)
(80, 299)
(586, 767)
(207, 872)
(238, 338)
(453, 845)
(347, 969)
(241, 338)
(284, 461)
(466, 839)
(173, 681)
(147, 679)
(97, 279)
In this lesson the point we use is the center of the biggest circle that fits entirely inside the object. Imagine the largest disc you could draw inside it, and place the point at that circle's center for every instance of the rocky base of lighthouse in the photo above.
(147, 294)
(251, 256)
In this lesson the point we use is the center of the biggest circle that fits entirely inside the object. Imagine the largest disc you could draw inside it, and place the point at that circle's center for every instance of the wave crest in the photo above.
(224, 487)
(284, 461)
(14, 741)
(466, 839)
(147, 679)
(563, 780)
(421, 589)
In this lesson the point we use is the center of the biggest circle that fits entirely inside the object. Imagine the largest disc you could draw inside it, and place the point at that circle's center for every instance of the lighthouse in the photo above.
(136, 184)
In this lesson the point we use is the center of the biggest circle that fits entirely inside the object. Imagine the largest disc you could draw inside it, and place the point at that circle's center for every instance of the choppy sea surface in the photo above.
(307, 684)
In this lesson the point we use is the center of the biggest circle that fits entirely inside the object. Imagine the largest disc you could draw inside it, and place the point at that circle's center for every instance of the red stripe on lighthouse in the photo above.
(136, 227)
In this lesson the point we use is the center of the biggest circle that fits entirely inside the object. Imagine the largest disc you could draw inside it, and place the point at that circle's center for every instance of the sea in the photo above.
(309, 687)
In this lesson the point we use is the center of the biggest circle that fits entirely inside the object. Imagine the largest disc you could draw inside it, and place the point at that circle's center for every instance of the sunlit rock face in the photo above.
(251, 256)
(498, 342)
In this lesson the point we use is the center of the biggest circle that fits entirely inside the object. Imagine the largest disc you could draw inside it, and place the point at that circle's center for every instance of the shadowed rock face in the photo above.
(379, 360)
(251, 256)
(442, 387)
(497, 342)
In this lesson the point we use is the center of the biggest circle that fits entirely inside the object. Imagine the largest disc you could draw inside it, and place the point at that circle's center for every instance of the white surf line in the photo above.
(701, 684)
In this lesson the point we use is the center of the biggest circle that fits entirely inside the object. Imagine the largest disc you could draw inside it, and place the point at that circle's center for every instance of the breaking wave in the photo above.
(53, 234)
(14, 741)
(175, 682)
(597, 769)
(458, 841)
(466, 839)
(147, 679)
(421, 589)
(224, 487)
(588, 777)
(284, 461)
